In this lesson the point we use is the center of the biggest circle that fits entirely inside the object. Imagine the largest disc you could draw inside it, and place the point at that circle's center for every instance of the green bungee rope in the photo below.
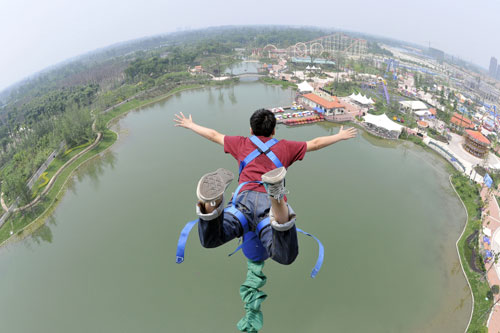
(253, 297)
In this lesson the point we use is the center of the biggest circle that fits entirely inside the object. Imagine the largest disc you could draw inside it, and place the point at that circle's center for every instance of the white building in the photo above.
(413, 106)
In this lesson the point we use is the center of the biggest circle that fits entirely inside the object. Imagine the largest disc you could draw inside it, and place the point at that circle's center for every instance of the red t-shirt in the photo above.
(286, 151)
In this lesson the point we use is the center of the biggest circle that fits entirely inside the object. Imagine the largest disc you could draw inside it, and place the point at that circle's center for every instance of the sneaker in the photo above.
(274, 182)
(212, 185)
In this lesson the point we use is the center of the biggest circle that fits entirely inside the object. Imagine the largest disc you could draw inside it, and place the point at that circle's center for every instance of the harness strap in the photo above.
(239, 215)
(262, 148)
(321, 250)
(321, 254)
(181, 244)
(262, 224)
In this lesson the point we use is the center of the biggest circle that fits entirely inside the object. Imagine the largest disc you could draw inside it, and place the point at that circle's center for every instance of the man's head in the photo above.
(262, 123)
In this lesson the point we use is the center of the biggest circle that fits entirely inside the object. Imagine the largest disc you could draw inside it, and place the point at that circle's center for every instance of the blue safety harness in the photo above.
(251, 245)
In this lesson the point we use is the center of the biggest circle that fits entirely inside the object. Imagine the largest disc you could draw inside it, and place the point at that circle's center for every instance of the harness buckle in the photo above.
(264, 152)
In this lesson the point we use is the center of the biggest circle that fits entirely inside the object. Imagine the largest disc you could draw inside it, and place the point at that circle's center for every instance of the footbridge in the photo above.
(247, 74)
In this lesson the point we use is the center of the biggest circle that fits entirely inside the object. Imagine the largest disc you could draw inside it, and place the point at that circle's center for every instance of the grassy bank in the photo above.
(137, 103)
(284, 84)
(22, 223)
(469, 193)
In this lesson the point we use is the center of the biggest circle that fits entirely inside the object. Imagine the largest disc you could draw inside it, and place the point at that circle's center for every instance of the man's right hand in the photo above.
(182, 121)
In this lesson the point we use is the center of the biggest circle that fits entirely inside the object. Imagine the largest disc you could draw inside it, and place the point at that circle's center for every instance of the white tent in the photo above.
(308, 67)
(361, 99)
(305, 87)
(413, 105)
(383, 121)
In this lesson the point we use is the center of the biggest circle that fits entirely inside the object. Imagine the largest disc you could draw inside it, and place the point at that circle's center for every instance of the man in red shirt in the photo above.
(255, 201)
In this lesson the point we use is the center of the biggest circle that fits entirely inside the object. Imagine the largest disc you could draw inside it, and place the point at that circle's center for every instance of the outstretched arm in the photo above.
(205, 132)
(325, 141)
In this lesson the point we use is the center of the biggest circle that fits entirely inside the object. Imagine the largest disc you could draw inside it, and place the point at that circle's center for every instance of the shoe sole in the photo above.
(213, 184)
(274, 176)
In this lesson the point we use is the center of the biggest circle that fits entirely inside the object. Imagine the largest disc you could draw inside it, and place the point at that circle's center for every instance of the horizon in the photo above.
(43, 35)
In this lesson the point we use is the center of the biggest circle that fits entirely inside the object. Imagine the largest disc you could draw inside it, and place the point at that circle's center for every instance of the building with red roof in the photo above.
(314, 100)
(333, 109)
(476, 143)
(461, 122)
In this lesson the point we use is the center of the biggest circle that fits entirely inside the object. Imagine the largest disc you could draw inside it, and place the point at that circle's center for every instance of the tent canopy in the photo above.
(382, 121)
(305, 86)
(414, 105)
(361, 99)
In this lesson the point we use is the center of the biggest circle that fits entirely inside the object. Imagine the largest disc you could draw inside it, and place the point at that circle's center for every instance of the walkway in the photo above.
(491, 221)
(13, 208)
(460, 160)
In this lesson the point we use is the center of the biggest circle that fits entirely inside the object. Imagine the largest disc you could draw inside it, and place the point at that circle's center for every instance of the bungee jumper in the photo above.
(258, 211)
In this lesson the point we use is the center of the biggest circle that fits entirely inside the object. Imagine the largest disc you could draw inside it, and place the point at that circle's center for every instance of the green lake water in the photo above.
(105, 261)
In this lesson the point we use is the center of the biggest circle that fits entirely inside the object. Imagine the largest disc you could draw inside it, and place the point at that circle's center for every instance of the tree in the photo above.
(15, 186)
(76, 126)
(495, 289)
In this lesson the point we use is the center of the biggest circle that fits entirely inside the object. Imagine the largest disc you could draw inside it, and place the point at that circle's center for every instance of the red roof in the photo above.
(422, 123)
(478, 136)
(323, 102)
(461, 121)
(433, 111)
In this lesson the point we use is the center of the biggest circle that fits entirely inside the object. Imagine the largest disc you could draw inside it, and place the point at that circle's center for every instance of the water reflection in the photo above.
(232, 95)
(95, 167)
(210, 96)
(92, 169)
(42, 234)
(221, 95)
(378, 142)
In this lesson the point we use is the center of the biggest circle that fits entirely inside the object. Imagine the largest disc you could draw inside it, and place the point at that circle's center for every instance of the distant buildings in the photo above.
(196, 70)
(498, 72)
(437, 54)
(493, 67)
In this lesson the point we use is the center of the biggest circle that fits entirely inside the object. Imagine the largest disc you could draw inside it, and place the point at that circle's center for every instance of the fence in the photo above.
(449, 157)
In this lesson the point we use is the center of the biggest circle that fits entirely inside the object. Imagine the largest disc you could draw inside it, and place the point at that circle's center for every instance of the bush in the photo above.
(495, 289)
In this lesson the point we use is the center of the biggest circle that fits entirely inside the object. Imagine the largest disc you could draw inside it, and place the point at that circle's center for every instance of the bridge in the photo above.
(246, 74)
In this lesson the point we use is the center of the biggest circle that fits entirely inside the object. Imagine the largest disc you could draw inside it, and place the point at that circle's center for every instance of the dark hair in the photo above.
(262, 122)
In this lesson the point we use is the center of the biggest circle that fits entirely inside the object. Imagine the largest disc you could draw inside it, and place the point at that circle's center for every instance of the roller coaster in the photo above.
(331, 44)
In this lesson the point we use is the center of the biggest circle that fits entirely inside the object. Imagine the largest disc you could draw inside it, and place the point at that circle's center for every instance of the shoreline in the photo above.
(458, 252)
(39, 221)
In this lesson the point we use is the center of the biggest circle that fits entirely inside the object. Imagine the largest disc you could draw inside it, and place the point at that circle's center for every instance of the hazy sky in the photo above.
(35, 34)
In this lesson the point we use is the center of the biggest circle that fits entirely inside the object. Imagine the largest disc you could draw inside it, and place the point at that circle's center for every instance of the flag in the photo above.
(487, 180)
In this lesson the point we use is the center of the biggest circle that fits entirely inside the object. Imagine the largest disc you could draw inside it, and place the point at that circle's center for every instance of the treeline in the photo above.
(374, 48)
(33, 146)
(52, 103)
(37, 128)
